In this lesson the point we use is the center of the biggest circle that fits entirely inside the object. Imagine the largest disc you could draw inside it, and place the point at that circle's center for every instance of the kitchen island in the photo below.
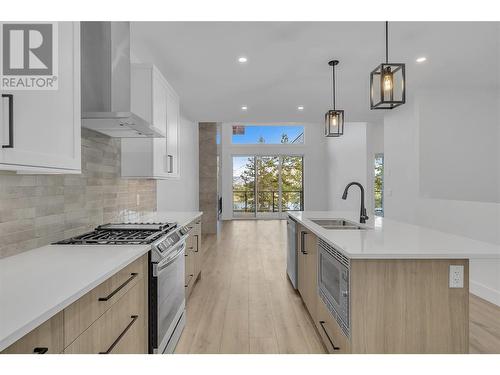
(386, 288)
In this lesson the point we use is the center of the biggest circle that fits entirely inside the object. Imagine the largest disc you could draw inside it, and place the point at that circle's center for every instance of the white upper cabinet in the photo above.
(154, 100)
(40, 129)
(173, 124)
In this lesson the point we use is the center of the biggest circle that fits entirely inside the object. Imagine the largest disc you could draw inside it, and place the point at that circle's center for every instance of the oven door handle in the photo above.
(171, 259)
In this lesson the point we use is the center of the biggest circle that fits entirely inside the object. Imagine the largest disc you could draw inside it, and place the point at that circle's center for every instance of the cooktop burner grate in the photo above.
(121, 234)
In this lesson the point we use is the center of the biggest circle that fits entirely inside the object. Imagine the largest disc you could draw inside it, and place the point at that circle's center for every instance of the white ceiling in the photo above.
(287, 63)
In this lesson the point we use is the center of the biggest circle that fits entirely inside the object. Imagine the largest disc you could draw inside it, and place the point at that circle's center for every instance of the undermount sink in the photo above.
(337, 224)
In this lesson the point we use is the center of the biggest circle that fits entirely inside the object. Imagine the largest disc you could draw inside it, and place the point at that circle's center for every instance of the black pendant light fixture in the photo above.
(334, 118)
(387, 82)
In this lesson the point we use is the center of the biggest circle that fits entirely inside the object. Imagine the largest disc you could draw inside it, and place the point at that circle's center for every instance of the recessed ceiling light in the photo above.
(242, 59)
(244, 107)
(300, 108)
(421, 59)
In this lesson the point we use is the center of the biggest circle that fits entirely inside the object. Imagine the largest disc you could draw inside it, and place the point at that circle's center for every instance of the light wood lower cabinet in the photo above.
(111, 318)
(82, 313)
(333, 338)
(194, 256)
(45, 339)
(118, 330)
(308, 269)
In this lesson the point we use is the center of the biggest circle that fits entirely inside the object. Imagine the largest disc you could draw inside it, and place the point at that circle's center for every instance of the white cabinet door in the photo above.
(147, 158)
(173, 119)
(160, 92)
(46, 124)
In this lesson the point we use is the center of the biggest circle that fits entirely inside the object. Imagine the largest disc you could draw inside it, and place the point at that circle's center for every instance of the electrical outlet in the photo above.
(456, 276)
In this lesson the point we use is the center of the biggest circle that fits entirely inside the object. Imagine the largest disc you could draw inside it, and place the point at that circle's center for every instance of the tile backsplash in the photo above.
(36, 210)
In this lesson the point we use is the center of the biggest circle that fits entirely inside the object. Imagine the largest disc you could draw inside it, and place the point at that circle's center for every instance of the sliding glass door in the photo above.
(244, 186)
(267, 186)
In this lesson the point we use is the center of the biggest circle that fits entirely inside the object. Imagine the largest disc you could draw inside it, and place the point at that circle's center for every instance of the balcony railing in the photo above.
(268, 200)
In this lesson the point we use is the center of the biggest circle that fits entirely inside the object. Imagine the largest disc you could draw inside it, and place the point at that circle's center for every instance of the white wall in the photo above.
(182, 194)
(443, 173)
(347, 162)
(313, 150)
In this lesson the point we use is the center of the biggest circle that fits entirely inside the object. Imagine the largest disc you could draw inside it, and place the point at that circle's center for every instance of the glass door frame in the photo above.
(280, 214)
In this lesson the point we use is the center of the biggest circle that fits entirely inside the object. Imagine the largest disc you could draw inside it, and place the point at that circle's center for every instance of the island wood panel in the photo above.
(48, 336)
(406, 306)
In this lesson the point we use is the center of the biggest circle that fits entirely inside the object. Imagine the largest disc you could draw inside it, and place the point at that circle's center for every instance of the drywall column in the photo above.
(208, 175)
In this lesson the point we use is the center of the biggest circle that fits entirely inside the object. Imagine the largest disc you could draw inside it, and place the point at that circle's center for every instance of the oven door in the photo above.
(170, 295)
(333, 281)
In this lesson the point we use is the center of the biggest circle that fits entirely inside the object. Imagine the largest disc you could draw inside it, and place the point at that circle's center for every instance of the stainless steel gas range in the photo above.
(166, 273)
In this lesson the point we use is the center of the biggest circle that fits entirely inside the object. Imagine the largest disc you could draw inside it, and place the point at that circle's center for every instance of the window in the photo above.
(267, 185)
(379, 185)
(267, 134)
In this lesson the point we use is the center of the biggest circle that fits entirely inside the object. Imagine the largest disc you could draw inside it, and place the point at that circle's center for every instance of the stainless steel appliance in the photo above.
(106, 82)
(166, 291)
(291, 258)
(333, 283)
(166, 303)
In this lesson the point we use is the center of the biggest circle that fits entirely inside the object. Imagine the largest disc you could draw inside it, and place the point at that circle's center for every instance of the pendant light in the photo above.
(334, 118)
(387, 82)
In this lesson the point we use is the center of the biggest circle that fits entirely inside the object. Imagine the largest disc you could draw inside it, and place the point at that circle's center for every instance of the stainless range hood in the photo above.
(105, 66)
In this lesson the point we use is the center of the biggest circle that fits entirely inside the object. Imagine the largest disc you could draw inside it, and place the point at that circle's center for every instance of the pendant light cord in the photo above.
(333, 86)
(386, 42)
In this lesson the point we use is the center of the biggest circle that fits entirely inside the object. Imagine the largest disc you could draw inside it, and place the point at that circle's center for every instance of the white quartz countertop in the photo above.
(37, 284)
(390, 239)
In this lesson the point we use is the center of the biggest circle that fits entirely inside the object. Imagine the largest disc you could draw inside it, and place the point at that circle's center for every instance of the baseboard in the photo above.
(485, 292)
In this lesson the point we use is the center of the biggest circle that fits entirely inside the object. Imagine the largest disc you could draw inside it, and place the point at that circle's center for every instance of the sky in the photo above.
(271, 134)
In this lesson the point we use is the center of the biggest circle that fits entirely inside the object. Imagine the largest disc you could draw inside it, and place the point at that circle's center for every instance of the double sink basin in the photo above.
(337, 224)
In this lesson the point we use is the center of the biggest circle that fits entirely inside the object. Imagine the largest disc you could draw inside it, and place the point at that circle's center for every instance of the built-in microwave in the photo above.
(333, 283)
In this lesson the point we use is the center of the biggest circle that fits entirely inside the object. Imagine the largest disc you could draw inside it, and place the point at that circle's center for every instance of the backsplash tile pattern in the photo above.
(36, 210)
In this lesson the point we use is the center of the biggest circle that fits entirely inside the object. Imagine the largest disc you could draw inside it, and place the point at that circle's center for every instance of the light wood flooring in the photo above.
(244, 302)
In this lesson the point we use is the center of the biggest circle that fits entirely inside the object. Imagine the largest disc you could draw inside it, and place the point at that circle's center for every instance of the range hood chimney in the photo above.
(105, 67)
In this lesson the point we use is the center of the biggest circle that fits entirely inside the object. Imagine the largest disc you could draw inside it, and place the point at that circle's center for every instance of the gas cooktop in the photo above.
(121, 234)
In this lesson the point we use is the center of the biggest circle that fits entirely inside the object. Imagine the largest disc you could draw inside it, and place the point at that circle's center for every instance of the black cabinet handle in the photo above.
(134, 318)
(190, 278)
(197, 249)
(322, 323)
(11, 120)
(133, 275)
(303, 242)
(40, 350)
